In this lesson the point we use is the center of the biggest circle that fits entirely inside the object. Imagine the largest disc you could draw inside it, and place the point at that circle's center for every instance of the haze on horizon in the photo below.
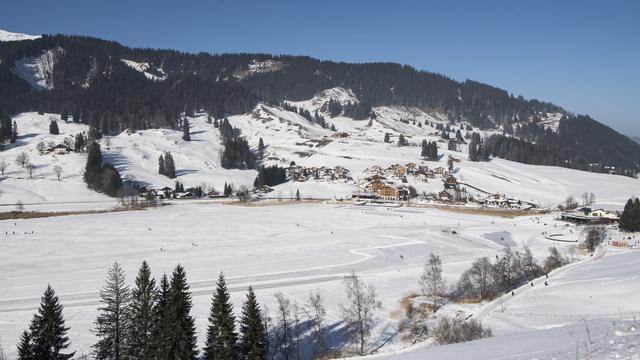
(581, 55)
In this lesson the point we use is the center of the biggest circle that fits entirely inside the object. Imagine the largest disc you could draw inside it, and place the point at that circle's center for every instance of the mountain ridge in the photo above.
(113, 87)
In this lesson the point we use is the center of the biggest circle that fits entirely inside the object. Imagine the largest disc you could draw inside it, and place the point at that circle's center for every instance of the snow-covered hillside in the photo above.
(592, 303)
(151, 72)
(38, 71)
(11, 36)
(44, 190)
(356, 145)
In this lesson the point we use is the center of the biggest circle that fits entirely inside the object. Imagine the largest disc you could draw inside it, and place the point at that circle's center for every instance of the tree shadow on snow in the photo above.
(182, 172)
(120, 162)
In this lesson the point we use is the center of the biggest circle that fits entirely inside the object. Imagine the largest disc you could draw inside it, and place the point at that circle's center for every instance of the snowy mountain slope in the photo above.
(197, 161)
(11, 36)
(151, 72)
(44, 191)
(259, 67)
(339, 94)
(278, 79)
(290, 137)
(38, 72)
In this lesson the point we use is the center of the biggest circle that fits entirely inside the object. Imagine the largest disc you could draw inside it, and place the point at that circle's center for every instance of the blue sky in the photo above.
(582, 55)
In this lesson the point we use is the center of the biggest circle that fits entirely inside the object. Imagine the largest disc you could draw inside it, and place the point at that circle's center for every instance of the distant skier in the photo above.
(546, 283)
(532, 284)
(512, 293)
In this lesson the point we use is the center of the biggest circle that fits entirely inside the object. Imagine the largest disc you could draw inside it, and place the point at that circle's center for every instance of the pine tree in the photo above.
(630, 218)
(93, 167)
(253, 334)
(228, 189)
(14, 133)
(161, 326)
(48, 332)
(5, 128)
(139, 342)
(79, 143)
(111, 323)
(169, 166)
(473, 151)
(434, 151)
(424, 149)
(261, 148)
(401, 140)
(161, 169)
(221, 334)
(53, 128)
(182, 329)
(25, 347)
(186, 135)
(110, 181)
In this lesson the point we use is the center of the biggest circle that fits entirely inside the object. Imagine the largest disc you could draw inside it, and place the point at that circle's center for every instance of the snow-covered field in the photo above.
(298, 248)
(294, 249)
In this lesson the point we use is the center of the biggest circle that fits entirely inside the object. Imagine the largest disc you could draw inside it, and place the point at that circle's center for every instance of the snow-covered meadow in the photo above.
(293, 249)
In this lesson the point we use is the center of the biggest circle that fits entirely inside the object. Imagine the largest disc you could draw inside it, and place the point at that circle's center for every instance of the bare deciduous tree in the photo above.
(595, 236)
(479, 274)
(316, 314)
(3, 166)
(358, 313)
(19, 205)
(554, 260)
(41, 147)
(431, 282)
(57, 169)
(457, 330)
(266, 321)
(22, 159)
(569, 204)
(283, 342)
(30, 167)
(2, 356)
